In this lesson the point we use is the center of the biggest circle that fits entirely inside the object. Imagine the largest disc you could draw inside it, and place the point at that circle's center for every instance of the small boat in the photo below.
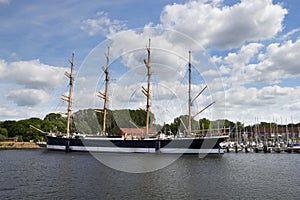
(42, 144)
(296, 148)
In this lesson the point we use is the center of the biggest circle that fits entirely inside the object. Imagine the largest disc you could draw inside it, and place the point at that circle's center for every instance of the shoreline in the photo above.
(19, 145)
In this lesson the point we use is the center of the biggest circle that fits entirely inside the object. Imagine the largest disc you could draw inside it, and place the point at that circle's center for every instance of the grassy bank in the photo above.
(19, 145)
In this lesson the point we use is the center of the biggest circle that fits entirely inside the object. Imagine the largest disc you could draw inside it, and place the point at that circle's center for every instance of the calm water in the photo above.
(40, 174)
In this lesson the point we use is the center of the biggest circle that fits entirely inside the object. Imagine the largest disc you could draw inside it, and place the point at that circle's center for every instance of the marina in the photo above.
(257, 148)
(275, 138)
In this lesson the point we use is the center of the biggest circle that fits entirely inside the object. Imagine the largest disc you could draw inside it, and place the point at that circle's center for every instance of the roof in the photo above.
(137, 131)
(262, 130)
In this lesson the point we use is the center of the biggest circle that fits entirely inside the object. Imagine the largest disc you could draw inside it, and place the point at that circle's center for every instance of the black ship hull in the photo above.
(202, 145)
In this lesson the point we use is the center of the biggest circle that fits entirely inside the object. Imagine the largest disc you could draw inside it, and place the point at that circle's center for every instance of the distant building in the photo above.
(290, 132)
(140, 132)
(12, 139)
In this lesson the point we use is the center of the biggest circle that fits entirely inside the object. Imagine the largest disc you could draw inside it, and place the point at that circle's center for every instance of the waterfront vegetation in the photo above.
(88, 121)
(21, 131)
(18, 145)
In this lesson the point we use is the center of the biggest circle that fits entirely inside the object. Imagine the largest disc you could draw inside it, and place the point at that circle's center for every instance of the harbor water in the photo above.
(41, 174)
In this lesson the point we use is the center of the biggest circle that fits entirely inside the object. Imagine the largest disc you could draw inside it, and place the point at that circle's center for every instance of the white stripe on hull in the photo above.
(192, 151)
(137, 150)
(55, 147)
(112, 149)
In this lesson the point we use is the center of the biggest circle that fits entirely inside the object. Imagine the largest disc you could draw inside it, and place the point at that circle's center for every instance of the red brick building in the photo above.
(137, 131)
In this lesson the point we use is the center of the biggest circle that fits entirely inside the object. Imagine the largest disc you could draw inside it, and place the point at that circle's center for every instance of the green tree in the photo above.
(181, 124)
(4, 132)
(20, 138)
(204, 123)
(53, 116)
(55, 122)
(2, 138)
(9, 126)
(87, 121)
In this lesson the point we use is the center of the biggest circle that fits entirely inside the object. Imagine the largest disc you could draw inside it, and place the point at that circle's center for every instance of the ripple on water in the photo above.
(39, 174)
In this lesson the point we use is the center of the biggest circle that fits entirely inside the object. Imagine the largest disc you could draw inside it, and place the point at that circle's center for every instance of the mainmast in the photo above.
(69, 98)
(104, 95)
(147, 91)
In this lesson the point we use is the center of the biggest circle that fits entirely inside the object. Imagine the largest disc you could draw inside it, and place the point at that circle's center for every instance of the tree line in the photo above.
(89, 121)
(86, 121)
(22, 131)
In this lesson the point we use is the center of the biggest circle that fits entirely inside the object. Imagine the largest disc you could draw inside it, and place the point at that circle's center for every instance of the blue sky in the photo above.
(254, 46)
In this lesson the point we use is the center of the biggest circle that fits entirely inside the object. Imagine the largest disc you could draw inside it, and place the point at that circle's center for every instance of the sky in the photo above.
(246, 52)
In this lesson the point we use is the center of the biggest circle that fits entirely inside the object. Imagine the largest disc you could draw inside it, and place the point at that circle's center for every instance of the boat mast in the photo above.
(190, 97)
(69, 98)
(191, 101)
(147, 91)
(105, 95)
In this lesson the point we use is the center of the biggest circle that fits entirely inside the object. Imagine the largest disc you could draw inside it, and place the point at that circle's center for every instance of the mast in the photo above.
(69, 98)
(145, 91)
(189, 129)
(105, 95)
(190, 97)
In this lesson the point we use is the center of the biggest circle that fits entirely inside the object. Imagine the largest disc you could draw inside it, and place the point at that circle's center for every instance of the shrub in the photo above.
(2, 138)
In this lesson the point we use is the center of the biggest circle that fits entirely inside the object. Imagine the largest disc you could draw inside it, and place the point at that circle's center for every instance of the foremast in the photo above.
(69, 97)
(146, 91)
(104, 95)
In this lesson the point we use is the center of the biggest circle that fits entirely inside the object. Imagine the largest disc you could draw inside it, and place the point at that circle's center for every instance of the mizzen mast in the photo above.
(104, 95)
(191, 101)
(69, 98)
(146, 91)
(190, 97)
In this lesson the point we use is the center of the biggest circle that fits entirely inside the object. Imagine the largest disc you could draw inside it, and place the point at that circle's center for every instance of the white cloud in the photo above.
(9, 113)
(213, 72)
(237, 68)
(277, 63)
(244, 55)
(295, 106)
(290, 33)
(266, 103)
(102, 24)
(225, 26)
(28, 97)
(3, 68)
(29, 88)
(32, 74)
(283, 57)
(255, 64)
(23, 112)
(274, 93)
(5, 1)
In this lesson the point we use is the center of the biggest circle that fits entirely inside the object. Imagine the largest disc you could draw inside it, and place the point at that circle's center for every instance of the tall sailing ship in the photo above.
(189, 144)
